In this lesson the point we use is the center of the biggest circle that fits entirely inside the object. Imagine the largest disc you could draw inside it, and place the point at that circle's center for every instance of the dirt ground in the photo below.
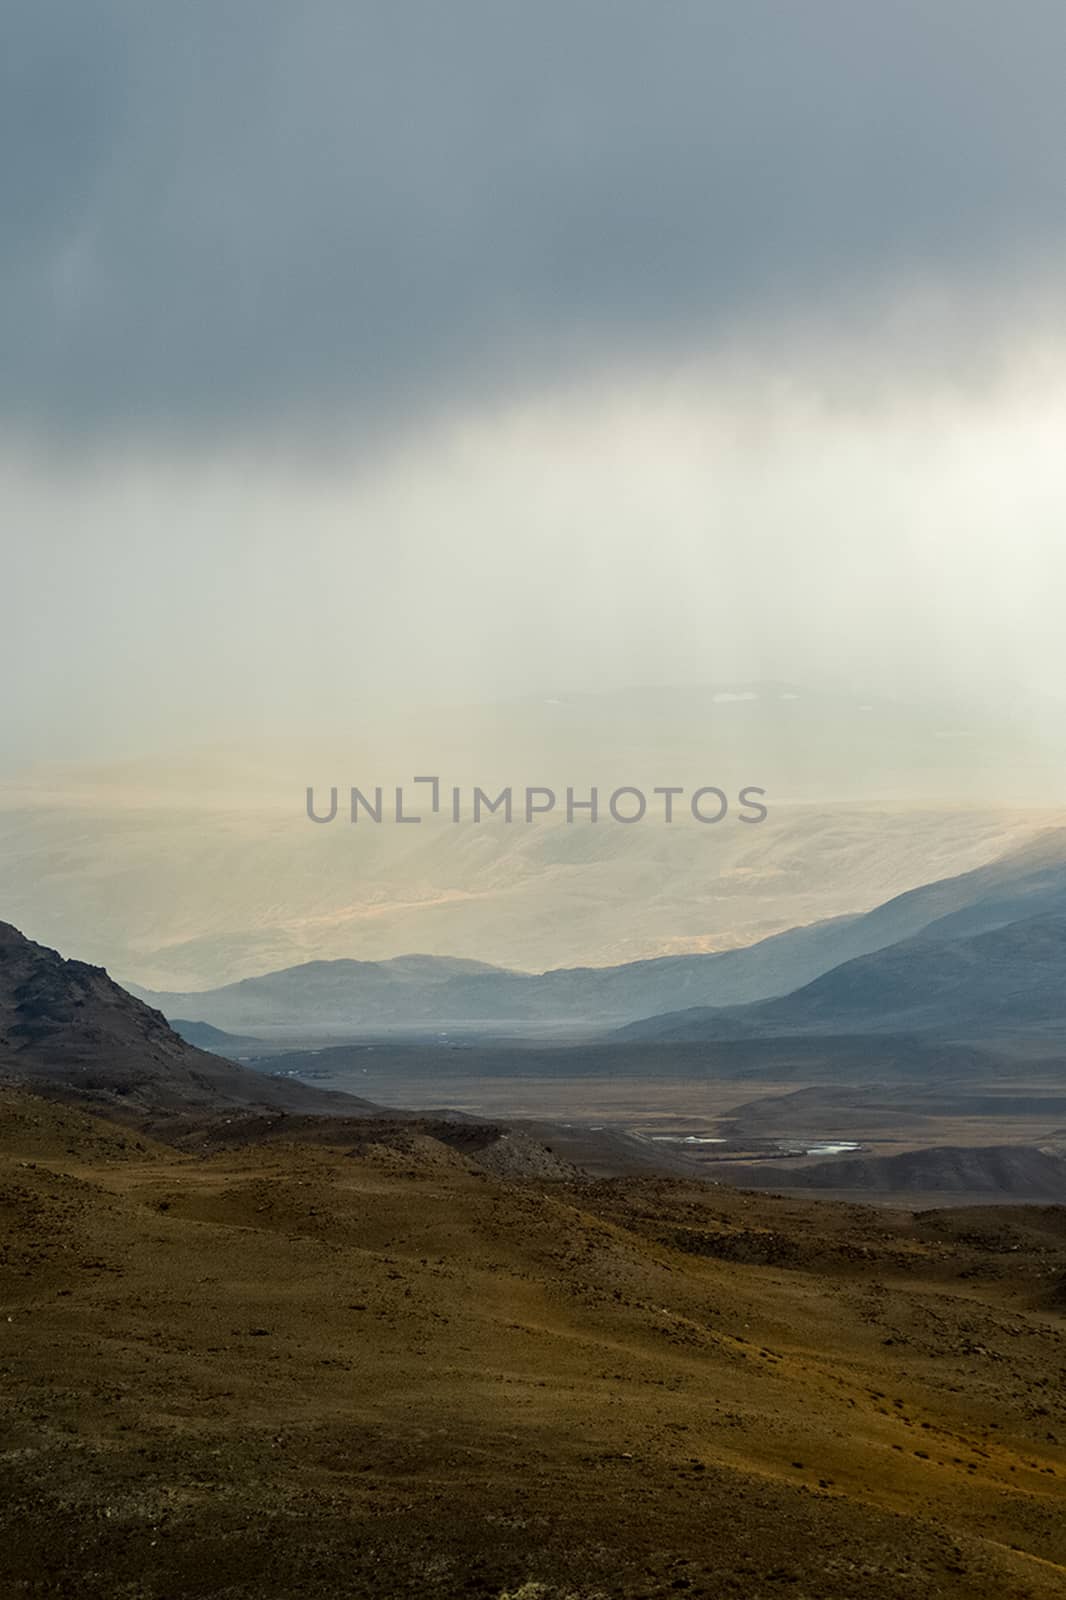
(296, 1370)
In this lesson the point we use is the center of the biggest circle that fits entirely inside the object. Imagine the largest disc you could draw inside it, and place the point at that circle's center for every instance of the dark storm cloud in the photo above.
(229, 211)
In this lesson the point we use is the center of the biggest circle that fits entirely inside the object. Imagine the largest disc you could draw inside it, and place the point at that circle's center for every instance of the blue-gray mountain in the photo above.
(350, 997)
(1006, 982)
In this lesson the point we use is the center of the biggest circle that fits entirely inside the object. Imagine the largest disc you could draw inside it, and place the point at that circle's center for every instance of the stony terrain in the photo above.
(338, 1366)
(67, 1029)
(1033, 1171)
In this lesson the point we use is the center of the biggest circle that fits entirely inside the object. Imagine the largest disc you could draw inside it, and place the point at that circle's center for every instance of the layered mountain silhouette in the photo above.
(68, 1030)
(424, 991)
(428, 991)
(1006, 981)
(223, 877)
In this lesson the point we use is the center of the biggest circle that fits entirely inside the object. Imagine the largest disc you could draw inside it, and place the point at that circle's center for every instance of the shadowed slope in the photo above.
(67, 1029)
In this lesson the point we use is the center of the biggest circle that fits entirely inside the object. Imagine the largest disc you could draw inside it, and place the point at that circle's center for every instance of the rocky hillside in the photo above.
(68, 1030)
(377, 1371)
(1033, 1172)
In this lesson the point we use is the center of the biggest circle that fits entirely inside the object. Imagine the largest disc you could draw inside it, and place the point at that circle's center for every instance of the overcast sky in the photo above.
(403, 351)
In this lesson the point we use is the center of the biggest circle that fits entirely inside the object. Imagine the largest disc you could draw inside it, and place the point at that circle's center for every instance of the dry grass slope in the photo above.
(375, 1369)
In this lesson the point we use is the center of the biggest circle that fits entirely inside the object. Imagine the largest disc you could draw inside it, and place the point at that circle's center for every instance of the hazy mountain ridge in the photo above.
(359, 995)
(1007, 980)
(189, 872)
(424, 991)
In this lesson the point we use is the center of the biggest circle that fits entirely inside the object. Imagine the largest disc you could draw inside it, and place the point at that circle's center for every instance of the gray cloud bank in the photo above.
(219, 216)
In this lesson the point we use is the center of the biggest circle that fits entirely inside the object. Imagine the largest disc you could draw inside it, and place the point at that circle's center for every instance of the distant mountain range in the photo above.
(427, 991)
(982, 953)
(197, 869)
(929, 959)
(1009, 981)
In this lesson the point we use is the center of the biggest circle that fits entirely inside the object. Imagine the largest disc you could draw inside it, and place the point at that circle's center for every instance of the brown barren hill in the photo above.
(373, 1369)
(1029, 1171)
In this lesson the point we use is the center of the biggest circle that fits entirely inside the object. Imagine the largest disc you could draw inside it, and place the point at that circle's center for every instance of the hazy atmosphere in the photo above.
(532, 800)
(362, 358)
